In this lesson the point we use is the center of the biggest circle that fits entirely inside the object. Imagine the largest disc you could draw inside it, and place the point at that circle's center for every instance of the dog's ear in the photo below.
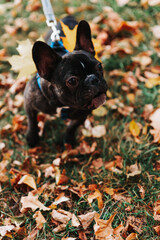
(84, 39)
(45, 58)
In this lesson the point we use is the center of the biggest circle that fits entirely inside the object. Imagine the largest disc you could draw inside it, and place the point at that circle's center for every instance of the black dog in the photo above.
(74, 80)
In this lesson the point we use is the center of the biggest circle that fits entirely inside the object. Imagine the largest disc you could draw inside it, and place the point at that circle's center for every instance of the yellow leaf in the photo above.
(152, 82)
(28, 180)
(100, 112)
(134, 128)
(23, 62)
(69, 40)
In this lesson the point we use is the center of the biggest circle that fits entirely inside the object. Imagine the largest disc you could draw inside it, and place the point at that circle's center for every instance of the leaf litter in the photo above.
(96, 190)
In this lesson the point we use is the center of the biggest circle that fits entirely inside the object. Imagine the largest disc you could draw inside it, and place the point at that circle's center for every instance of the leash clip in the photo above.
(50, 19)
(55, 32)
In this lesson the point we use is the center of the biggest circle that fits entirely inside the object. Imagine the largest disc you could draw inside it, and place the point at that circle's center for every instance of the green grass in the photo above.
(117, 141)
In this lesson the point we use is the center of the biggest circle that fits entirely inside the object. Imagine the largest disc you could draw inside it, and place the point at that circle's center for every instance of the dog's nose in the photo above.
(92, 79)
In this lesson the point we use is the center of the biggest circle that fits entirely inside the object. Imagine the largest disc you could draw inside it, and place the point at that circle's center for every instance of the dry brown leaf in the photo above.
(132, 236)
(109, 191)
(104, 231)
(155, 123)
(63, 218)
(134, 223)
(98, 131)
(143, 59)
(141, 190)
(75, 221)
(32, 202)
(96, 195)
(97, 163)
(28, 180)
(134, 170)
(157, 229)
(86, 219)
(61, 198)
(121, 198)
(154, 2)
(122, 2)
(82, 235)
(5, 229)
(32, 235)
(148, 109)
(40, 220)
(156, 210)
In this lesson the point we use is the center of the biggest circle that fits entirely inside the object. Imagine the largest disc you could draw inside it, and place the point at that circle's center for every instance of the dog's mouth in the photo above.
(97, 101)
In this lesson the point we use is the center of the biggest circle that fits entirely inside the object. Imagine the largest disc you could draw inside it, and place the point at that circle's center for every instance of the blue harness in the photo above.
(59, 46)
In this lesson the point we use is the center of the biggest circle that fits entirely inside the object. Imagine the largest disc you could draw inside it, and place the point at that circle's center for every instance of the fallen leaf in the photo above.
(61, 198)
(156, 210)
(32, 235)
(134, 170)
(40, 220)
(141, 190)
(100, 112)
(156, 31)
(157, 229)
(86, 219)
(148, 109)
(121, 3)
(97, 163)
(104, 231)
(132, 236)
(154, 2)
(143, 59)
(96, 195)
(28, 180)
(32, 202)
(60, 217)
(155, 123)
(5, 229)
(75, 222)
(134, 128)
(109, 191)
(98, 131)
(60, 228)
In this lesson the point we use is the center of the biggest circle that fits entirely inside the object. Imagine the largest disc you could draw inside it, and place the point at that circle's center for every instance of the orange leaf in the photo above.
(96, 195)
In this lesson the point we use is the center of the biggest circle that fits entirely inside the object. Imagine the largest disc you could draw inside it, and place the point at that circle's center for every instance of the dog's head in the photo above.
(77, 77)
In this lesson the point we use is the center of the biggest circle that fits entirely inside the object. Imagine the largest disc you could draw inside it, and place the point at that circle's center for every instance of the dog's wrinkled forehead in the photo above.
(78, 62)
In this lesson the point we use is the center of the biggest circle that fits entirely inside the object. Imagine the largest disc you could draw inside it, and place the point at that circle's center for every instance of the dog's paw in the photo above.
(32, 139)
(71, 140)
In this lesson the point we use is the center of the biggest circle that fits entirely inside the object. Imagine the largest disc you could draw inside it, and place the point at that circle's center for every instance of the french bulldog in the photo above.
(74, 80)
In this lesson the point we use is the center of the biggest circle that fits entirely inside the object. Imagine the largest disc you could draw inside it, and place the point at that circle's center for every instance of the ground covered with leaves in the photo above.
(107, 187)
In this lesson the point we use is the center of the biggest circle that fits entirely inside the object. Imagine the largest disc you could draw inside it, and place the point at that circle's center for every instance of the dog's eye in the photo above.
(72, 81)
(99, 67)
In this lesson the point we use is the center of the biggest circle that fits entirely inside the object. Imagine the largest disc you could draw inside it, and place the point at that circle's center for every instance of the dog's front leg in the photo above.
(71, 130)
(32, 131)
(77, 118)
